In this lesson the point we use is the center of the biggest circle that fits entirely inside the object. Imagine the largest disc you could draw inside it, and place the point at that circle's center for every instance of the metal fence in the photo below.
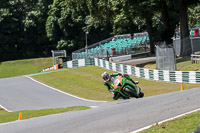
(192, 43)
(165, 57)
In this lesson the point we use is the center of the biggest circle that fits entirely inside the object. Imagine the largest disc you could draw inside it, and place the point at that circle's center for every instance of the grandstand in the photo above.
(115, 46)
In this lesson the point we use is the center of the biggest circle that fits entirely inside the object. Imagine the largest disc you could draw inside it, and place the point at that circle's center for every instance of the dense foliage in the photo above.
(32, 28)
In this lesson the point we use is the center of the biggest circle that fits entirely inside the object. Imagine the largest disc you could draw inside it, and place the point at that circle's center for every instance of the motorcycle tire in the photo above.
(131, 92)
(141, 94)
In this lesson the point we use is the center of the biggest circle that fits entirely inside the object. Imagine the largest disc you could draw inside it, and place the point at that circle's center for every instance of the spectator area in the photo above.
(117, 45)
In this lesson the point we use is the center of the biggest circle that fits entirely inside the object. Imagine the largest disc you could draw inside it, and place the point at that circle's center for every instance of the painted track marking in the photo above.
(147, 127)
(63, 91)
(5, 108)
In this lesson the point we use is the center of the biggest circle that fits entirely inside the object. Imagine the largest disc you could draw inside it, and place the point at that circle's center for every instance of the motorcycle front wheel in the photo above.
(141, 94)
(131, 92)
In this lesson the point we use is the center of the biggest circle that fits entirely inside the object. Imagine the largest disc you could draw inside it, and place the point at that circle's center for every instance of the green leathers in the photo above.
(122, 86)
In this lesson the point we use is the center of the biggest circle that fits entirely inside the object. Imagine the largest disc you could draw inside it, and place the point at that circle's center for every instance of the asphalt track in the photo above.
(123, 116)
(22, 93)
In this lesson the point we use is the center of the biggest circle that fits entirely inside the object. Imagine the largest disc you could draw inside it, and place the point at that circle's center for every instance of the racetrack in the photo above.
(22, 93)
(111, 117)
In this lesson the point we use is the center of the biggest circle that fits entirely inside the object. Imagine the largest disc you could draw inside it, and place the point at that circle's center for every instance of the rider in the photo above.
(107, 82)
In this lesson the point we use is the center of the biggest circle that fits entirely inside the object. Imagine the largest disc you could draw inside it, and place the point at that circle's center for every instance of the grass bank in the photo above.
(184, 124)
(12, 116)
(23, 67)
(86, 82)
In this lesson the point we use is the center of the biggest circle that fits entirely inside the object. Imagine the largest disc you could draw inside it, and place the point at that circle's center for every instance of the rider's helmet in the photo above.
(105, 76)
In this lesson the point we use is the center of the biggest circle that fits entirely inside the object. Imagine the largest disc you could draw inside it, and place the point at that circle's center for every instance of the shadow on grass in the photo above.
(178, 60)
(182, 59)
(144, 64)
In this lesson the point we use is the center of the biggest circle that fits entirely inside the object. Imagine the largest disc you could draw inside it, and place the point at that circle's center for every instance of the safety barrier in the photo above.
(78, 63)
(150, 74)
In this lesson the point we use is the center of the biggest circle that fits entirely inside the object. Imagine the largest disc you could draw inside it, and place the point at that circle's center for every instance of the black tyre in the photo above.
(141, 94)
(132, 92)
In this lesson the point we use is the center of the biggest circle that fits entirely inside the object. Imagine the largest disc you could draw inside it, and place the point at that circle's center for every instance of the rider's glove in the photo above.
(121, 74)
(111, 90)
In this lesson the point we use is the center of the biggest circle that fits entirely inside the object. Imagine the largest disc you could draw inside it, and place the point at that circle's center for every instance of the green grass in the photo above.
(182, 64)
(185, 64)
(86, 82)
(12, 116)
(23, 67)
(184, 124)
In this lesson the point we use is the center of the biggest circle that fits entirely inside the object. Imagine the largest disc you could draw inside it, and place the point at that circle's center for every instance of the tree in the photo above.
(145, 10)
(186, 48)
(11, 28)
(64, 26)
(194, 15)
(22, 29)
(35, 38)
(168, 15)
(31, 28)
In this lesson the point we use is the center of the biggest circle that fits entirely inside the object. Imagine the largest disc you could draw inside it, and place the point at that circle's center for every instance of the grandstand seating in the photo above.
(118, 45)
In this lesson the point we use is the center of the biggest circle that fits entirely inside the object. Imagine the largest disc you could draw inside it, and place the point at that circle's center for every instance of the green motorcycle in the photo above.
(126, 87)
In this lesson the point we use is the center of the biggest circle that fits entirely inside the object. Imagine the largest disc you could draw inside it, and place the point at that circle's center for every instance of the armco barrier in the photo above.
(158, 75)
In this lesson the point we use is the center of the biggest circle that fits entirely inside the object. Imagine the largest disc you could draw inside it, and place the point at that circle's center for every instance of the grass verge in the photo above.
(86, 82)
(23, 67)
(184, 124)
(12, 116)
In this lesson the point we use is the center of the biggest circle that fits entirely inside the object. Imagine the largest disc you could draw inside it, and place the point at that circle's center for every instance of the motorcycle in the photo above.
(126, 87)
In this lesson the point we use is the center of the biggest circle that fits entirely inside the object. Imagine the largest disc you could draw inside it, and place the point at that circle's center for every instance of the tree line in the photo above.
(32, 28)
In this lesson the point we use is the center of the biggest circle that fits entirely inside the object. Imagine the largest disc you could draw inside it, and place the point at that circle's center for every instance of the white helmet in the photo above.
(105, 76)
